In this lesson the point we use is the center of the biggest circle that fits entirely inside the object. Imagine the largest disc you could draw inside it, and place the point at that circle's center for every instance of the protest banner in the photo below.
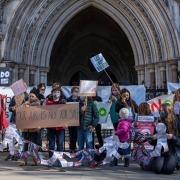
(103, 109)
(5, 76)
(99, 62)
(19, 87)
(29, 117)
(88, 88)
(172, 87)
(138, 93)
(156, 103)
(145, 124)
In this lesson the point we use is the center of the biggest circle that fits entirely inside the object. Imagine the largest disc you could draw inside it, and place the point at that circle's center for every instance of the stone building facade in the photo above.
(52, 40)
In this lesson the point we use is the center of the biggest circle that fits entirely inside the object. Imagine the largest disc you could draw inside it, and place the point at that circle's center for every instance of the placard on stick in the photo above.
(88, 88)
(19, 87)
(99, 62)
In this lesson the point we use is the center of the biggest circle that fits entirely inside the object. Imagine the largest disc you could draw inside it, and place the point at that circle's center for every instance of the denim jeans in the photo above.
(56, 139)
(85, 136)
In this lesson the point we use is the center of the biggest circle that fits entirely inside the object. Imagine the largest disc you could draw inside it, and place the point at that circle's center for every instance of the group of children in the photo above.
(127, 140)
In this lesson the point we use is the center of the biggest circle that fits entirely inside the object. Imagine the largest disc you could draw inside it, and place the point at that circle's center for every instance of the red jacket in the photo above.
(4, 123)
(51, 102)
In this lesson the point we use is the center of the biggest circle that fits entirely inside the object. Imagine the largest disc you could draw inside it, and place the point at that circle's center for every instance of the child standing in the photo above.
(89, 118)
(124, 134)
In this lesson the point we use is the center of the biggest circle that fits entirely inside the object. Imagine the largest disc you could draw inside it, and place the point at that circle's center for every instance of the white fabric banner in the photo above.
(172, 87)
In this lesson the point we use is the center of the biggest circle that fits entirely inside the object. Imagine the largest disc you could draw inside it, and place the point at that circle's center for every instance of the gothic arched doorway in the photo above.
(88, 33)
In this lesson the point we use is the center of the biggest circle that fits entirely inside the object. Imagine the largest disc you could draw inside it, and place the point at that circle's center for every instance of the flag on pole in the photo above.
(99, 62)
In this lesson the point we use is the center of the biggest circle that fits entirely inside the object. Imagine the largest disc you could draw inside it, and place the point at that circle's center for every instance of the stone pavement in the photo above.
(12, 171)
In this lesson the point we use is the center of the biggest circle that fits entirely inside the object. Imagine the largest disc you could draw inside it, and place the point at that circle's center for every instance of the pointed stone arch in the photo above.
(36, 25)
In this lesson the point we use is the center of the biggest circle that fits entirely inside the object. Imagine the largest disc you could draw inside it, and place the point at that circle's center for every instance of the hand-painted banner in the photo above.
(157, 102)
(103, 109)
(145, 124)
(47, 116)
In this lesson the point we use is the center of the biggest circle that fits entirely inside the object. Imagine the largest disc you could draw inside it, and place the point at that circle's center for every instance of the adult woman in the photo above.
(167, 116)
(126, 101)
(32, 134)
(41, 91)
(176, 107)
(115, 96)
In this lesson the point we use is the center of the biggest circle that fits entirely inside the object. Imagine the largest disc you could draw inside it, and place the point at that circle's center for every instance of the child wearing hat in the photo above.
(124, 134)
(30, 135)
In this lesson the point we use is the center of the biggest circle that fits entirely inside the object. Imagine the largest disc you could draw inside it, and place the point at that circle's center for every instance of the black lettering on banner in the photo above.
(33, 116)
(73, 114)
(43, 115)
(51, 115)
(62, 114)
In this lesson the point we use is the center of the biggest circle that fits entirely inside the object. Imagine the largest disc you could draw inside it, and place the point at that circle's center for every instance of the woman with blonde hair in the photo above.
(115, 96)
(176, 107)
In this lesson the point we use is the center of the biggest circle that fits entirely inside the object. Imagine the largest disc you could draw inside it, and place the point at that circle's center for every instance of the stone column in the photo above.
(174, 70)
(32, 75)
(162, 76)
(141, 74)
(152, 77)
(21, 73)
(26, 75)
(43, 75)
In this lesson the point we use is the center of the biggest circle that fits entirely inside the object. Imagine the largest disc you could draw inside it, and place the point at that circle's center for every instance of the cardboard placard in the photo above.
(47, 116)
(88, 88)
(145, 124)
(19, 87)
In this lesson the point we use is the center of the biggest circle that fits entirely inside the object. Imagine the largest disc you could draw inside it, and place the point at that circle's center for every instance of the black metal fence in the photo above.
(152, 93)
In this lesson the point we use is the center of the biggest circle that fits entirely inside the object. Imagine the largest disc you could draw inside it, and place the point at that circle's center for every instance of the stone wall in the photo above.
(29, 28)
